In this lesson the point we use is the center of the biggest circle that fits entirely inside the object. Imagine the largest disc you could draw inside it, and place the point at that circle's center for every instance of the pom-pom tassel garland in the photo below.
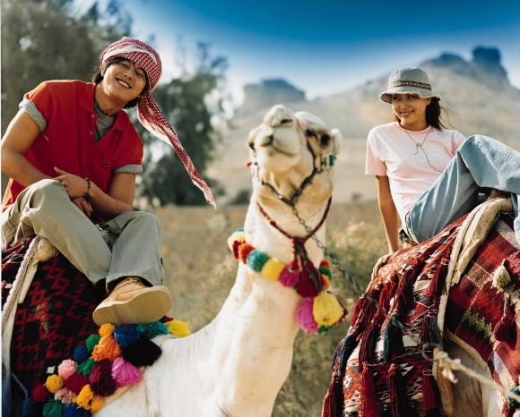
(319, 310)
(104, 362)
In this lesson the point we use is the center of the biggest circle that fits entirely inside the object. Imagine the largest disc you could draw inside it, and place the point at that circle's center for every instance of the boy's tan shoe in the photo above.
(131, 302)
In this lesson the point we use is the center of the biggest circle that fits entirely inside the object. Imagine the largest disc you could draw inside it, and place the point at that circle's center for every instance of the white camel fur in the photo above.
(236, 365)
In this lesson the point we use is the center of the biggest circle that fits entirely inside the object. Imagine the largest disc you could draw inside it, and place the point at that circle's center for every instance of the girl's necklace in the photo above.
(419, 146)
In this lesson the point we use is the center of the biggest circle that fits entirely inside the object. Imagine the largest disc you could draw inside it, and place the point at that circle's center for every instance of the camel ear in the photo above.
(336, 139)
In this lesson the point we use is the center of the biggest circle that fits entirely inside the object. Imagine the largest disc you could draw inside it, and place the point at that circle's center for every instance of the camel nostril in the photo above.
(325, 140)
(285, 121)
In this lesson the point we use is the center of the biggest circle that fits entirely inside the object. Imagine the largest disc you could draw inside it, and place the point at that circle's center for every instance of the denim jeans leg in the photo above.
(480, 162)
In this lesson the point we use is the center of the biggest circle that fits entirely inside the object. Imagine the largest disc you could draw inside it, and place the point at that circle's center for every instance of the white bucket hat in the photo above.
(408, 80)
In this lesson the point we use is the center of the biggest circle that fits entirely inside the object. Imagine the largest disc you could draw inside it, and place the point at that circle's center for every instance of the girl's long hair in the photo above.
(433, 114)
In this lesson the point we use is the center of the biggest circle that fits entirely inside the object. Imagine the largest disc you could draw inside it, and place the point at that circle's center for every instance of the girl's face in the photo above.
(410, 110)
(123, 81)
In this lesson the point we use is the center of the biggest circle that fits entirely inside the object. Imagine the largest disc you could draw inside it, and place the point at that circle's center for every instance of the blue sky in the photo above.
(326, 46)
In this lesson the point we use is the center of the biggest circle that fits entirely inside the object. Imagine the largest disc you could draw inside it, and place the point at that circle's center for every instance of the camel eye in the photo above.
(325, 140)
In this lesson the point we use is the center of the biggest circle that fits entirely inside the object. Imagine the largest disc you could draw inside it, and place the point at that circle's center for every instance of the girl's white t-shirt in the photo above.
(412, 160)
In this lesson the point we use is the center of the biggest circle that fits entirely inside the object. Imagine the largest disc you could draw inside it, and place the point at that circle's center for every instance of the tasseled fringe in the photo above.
(333, 403)
(393, 339)
(365, 309)
(397, 391)
(431, 394)
(370, 406)
(429, 332)
(505, 329)
(368, 341)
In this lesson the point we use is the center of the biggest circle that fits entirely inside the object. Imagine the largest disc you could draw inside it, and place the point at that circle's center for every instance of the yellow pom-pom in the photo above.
(53, 383)
(272, 269)
(178, 328)
(105, 329)
(97, 403)
(107, 348)
(327, 310)
(85, 397)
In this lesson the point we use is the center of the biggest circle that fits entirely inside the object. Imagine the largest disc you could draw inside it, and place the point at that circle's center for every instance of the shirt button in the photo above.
(91, 133)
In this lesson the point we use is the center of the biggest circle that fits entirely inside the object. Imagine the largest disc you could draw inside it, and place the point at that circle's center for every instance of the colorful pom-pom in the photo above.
(92, 341)
(272, 269)
(256, 260)
(53, 383)
(150, 330)
(85, 368)
(101, 380)
(85, 397)
(72, 410)
(64, 395)
(66, 368)
(327, 310)
(289, 276)
(76, 382)
(124, 373)
(106, 329)
(97, 403)
(52, 409)
(40, 393)
(124, 335)
(305, 316)
(244, 250)
(107, 348)
(178, 328)
(80, 354)
(143, 352)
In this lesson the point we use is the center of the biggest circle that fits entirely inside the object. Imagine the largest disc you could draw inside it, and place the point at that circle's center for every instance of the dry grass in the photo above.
(200, 273)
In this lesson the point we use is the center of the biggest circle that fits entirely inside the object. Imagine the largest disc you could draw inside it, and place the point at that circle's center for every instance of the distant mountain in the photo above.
(258, 96)
(477, 95)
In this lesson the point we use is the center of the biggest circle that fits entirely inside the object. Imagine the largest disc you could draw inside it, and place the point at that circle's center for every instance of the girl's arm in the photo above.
(388, 212)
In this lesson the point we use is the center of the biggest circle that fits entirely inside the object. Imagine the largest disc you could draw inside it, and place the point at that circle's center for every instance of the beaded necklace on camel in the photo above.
(319, 310)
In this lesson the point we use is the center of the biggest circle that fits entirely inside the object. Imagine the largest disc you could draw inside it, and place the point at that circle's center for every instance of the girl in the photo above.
(427, 176)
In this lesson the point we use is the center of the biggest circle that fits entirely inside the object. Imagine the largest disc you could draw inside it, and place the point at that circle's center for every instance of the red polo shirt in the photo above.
(68, 141)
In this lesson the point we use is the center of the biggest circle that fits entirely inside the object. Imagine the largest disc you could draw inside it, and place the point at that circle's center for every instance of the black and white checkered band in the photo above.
(403, 83)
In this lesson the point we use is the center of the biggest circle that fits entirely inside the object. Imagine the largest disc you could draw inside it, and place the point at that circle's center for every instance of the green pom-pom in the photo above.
(150, 330)
(325, 271)
(85, 368)
(52, 408)
(256, 260)
(92, 341)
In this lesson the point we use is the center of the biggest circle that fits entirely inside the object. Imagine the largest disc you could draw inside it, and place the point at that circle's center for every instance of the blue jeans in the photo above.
(480, 162)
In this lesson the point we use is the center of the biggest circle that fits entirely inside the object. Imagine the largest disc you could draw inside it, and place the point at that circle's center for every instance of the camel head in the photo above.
(291, 154)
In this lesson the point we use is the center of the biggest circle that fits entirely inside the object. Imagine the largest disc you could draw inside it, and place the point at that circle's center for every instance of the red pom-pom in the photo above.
(76, 382)
(40, 393)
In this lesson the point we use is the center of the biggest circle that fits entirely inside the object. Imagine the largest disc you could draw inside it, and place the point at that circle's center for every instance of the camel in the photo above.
(471, 340)
(236, 365)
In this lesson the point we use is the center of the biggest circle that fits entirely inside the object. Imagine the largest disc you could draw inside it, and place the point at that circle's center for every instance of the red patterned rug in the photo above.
(379, 368)
(53, 319)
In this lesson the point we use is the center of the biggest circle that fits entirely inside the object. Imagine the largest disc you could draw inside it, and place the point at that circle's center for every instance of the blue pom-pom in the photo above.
(80, 354)
(125, 335)
(150, 330)
(72, 410)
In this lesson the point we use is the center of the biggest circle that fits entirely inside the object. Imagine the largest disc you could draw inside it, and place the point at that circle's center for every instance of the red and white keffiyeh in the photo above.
(148, 111)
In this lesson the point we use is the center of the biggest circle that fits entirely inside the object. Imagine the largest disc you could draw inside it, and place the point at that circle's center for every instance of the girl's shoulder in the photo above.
(383, 129)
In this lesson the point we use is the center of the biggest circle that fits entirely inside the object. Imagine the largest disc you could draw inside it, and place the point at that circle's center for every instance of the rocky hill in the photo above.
(477, 95)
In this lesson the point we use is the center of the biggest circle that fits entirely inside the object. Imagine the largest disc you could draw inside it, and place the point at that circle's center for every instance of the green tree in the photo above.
(43, 39)
(192, 104)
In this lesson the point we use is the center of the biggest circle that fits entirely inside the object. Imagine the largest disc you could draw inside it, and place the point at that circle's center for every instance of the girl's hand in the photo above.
(84, 205)
(75, 185)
